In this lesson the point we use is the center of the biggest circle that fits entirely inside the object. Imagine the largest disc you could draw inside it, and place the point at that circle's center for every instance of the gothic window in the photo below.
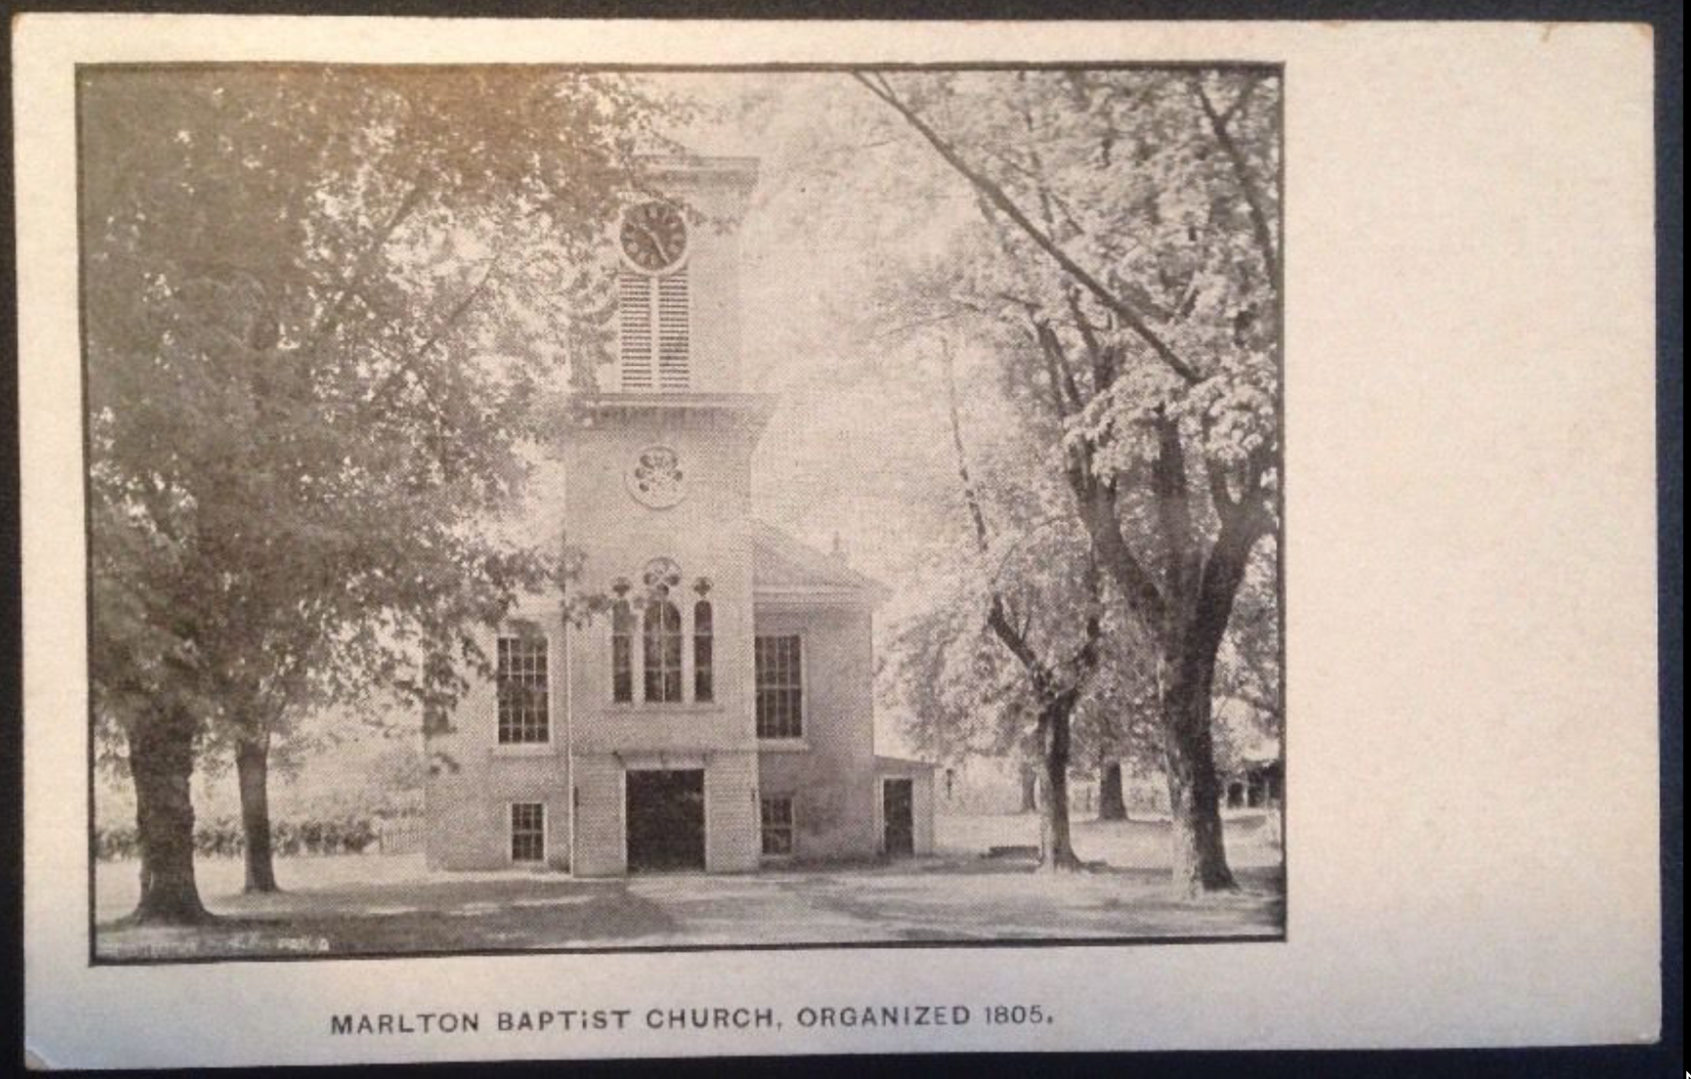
(662, 642)
(622, 652)
(780, 687)
(662, 576)
(703, 686)
(520, 676)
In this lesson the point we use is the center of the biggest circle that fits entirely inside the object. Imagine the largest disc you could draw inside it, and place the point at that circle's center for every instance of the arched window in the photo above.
(622, 652)
(703, 688)
(662, 641)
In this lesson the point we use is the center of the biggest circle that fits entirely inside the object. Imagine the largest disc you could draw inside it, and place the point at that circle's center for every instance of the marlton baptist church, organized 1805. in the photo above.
(720, 716)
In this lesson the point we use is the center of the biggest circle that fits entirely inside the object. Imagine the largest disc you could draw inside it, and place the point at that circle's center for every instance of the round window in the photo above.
(655, 478)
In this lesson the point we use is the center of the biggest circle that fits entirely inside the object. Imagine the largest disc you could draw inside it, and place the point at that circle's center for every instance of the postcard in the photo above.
(556, 539)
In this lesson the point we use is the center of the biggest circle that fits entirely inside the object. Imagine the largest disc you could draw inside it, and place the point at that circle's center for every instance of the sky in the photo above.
(857, 446)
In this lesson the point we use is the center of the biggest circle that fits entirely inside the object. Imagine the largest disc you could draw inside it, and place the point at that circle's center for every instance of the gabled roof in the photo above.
(784, 567)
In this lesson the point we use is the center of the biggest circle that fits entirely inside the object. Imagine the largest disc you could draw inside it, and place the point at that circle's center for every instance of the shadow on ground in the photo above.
(447, 916)
(393, 905)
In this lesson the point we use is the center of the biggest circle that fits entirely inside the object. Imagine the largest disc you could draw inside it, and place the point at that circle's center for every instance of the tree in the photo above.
(321, 305)
(396, 778)
(1026, 624)
(1112, 805)
(1139, 213)
(1116, 724)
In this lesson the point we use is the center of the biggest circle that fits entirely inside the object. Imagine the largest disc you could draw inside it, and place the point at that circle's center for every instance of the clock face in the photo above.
(654, 236)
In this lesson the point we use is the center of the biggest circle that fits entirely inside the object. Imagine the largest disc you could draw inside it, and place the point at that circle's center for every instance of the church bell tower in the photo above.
(658, 500)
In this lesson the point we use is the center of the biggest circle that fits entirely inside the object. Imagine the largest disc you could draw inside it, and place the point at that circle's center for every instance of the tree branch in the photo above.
(1016, 641)
(982, 537)
(1240, 100)
(1242, 173)
(998, 619)
(1027, 535)
(458, 311)
(1097, 500)
(996, 195)
(1057, 363)
(1219, 493)
(1103, 361)
(1222, 573)
(351, 282)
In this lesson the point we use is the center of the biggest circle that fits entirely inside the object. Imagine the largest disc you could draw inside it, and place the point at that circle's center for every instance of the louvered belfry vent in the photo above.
(672, 331)
(654, 320)
(639, 368)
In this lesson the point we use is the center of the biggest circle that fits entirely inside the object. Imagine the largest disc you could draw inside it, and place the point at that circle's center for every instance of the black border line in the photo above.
(959, 943)
(1266, 67)
(1275, 68)
(87, 519)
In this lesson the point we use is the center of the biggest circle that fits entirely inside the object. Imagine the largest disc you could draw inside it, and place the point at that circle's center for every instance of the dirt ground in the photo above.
(372, 904)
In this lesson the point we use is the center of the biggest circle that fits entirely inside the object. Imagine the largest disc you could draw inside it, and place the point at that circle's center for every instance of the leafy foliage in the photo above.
(1124, 273)
(223, 837)
(322, 306)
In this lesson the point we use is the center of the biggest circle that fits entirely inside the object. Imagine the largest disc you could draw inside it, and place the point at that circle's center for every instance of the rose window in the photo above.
(655, 478)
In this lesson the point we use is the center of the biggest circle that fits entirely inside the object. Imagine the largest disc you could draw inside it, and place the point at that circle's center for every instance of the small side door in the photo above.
(898, 815)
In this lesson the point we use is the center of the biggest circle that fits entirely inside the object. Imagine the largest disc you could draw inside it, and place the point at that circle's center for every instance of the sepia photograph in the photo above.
(539, 508)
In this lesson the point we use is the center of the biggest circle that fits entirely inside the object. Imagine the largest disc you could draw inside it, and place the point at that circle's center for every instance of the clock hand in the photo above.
(650, 236)
(657, 237)
(669, 254)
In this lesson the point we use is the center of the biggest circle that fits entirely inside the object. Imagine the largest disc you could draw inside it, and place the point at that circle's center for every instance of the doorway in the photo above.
(898, 817)
(666, 820)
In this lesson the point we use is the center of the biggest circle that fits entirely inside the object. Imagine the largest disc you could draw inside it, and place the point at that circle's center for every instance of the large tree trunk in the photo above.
(252, 769)
(1194, 788)
(1030, 789)
(1187, 613)
(1056, 847)
(161, 763)
(1111, 804)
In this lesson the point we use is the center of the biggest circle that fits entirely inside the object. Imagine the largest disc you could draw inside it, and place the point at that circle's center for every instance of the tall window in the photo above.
(622, 652)
(654, 319)
(520, 673)
(528, 832)
(777, 824)
(780, 687)
(703, 686)
(662, 641)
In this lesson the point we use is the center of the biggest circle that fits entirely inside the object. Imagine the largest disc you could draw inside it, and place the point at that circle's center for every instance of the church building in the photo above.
(717, 714)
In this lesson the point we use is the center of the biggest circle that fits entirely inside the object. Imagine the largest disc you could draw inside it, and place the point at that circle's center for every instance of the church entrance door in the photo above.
(666, 820)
